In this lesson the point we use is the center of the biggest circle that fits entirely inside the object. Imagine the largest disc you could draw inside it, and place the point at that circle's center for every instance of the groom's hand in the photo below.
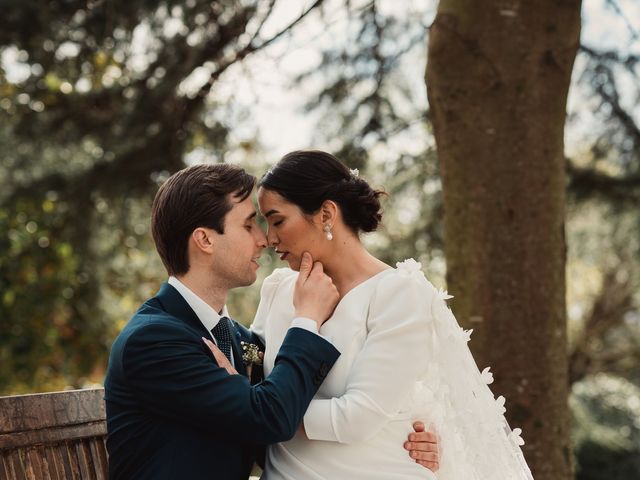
(315, 296)
(423, 447)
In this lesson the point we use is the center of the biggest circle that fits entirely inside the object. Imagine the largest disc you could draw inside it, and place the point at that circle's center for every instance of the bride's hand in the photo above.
(423, 447)
(221, 360)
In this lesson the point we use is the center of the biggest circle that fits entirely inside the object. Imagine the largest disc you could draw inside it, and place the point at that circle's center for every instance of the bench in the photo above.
(53, 436)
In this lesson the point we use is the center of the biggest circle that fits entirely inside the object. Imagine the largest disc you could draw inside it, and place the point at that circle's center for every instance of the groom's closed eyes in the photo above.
(251, 221)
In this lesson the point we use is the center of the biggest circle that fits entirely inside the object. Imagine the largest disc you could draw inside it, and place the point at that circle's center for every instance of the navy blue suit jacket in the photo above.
(172, 413)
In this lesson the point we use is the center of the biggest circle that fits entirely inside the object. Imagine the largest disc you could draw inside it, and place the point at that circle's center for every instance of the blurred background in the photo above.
(100, 101)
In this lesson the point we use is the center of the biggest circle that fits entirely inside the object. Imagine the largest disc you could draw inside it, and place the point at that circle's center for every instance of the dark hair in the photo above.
(198, 196)
(307, 178)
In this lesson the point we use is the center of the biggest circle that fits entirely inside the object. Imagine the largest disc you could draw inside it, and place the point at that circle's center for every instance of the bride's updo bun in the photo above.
(307, 178)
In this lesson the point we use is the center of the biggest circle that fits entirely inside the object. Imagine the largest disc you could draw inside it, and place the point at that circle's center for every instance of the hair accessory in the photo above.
(354, 172)
(327, 231)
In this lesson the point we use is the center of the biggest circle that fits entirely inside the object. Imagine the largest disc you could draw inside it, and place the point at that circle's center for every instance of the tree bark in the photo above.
(498, 74)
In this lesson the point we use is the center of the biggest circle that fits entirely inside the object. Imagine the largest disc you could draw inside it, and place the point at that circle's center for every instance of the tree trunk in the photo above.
(497, 78)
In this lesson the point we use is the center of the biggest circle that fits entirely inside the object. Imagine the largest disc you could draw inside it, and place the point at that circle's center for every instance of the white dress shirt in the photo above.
(205, 312)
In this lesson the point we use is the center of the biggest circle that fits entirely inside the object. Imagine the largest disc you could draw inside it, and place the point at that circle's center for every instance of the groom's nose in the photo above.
(261, 239)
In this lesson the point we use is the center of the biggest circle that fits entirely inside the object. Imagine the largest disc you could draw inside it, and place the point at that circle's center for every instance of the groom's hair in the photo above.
(198, 196)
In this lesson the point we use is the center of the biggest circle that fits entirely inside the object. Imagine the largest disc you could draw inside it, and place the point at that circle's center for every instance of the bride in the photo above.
(403, 355)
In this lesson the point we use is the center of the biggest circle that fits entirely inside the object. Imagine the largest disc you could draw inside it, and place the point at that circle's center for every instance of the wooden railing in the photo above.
(53, 436)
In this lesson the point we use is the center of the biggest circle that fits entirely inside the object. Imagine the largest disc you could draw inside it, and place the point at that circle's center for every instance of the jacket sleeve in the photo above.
(172, 374)
(384, 372)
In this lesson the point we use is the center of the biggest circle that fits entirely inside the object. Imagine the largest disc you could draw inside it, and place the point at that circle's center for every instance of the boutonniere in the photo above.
(251, 355)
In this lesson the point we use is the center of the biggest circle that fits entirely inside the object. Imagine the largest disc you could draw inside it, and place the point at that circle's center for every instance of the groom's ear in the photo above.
(203, 239)
(329, 212)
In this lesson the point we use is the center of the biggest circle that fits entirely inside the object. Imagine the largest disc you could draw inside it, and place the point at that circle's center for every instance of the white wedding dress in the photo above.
(403, 358)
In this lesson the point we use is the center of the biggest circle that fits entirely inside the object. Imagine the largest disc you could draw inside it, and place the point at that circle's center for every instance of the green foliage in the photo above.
(98, 104)
(606, 433)
(43, 294)
(61, 307)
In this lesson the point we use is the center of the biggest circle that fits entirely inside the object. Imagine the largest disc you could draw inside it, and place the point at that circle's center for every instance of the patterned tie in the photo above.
(222, 334)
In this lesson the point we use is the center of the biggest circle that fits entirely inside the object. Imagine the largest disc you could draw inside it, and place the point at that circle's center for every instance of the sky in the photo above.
(276, 106)
(603, 28)
(262, 84)
(266, 77)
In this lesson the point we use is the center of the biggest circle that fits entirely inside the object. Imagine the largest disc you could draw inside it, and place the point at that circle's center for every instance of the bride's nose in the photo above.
(272, 238)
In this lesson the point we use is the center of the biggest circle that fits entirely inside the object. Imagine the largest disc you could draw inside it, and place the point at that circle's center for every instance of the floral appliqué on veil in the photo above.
(454, 397)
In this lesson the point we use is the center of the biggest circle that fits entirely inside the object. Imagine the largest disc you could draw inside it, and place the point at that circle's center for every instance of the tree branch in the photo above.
(607, 312)
(587, 181)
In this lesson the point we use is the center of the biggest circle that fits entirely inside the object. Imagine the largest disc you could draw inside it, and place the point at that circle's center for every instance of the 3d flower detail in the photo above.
(500, 401)
(444, 295)
(410, 268)
(515, 436)
(409, 265)
(487, 376)
(466, 334)
(354, 172)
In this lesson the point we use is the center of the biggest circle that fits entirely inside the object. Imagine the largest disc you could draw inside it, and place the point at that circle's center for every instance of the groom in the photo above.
(172, 412)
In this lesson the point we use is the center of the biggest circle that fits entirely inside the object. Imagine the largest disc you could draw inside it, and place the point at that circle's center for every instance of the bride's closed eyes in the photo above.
(274, 219)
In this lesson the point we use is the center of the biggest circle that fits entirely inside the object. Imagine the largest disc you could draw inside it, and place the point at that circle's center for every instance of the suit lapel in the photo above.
(236, 348)
(177, 306)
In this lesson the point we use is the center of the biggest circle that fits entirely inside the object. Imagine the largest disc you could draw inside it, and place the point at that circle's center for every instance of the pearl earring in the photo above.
(327, 231)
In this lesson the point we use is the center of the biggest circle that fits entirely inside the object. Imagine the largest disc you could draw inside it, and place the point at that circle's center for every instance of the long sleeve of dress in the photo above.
(385, 371)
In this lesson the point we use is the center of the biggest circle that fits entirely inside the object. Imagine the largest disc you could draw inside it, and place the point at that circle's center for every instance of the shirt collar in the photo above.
(207, 315)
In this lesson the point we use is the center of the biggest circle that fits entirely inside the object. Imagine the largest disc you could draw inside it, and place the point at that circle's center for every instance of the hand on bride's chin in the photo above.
(294, 263)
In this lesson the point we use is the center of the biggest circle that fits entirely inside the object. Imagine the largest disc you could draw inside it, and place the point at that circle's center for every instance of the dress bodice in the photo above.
(361, 416)
(346, 328)
(404, 357)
